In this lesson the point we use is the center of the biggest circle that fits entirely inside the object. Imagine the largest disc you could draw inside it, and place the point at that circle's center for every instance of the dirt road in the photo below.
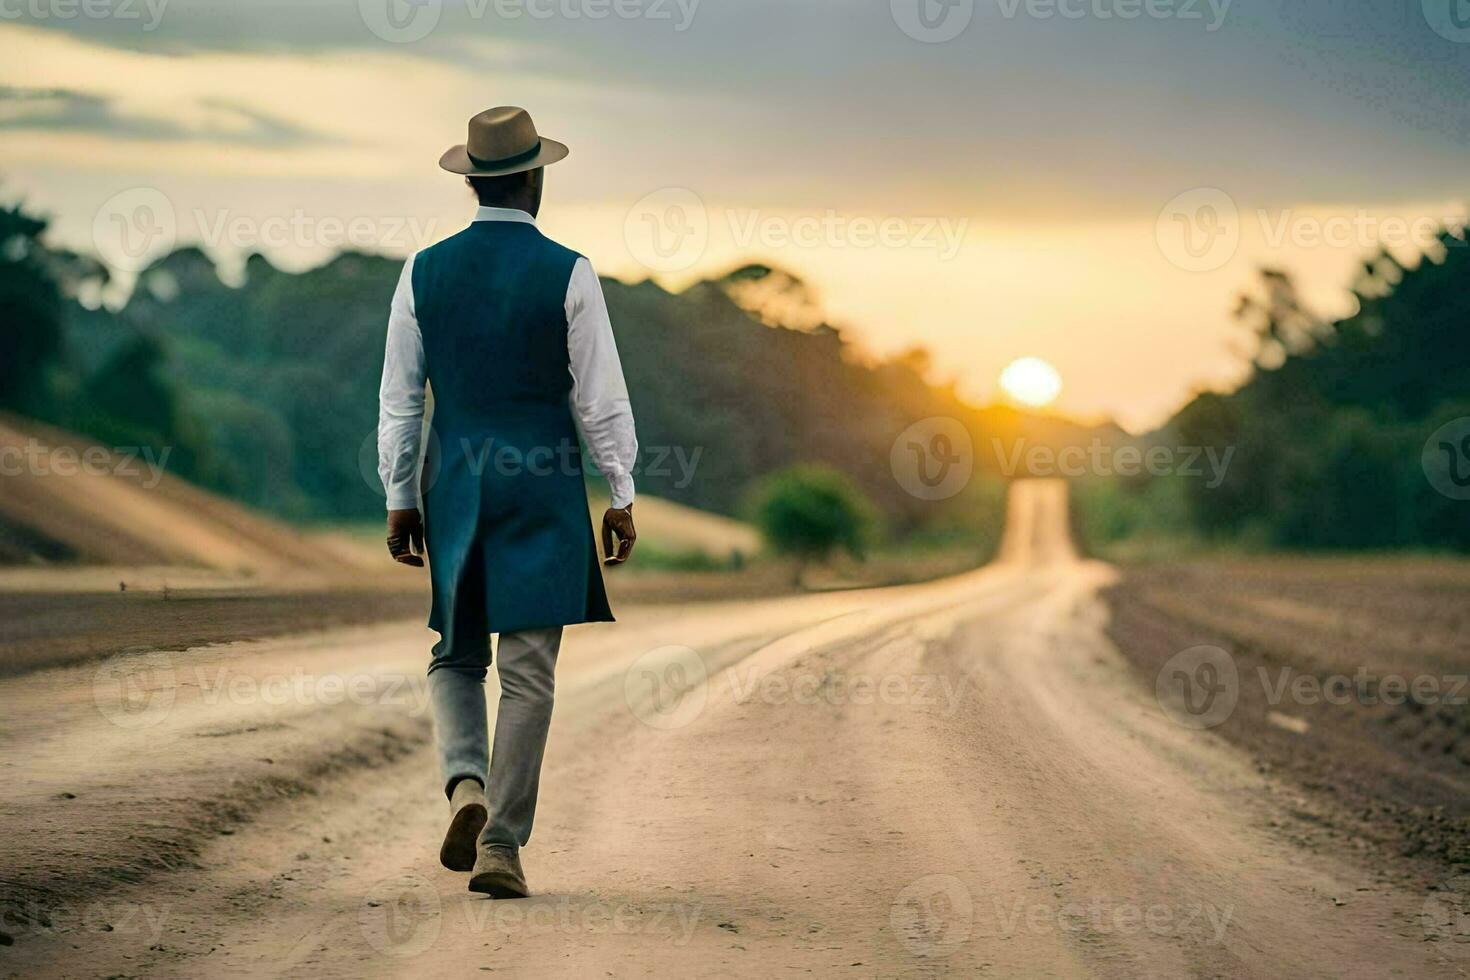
(959, 778)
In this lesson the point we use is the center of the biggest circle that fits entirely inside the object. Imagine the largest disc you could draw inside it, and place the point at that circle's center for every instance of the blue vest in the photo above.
(505, 507)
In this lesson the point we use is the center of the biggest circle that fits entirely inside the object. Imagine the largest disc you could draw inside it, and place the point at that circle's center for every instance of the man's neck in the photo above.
(487, 213)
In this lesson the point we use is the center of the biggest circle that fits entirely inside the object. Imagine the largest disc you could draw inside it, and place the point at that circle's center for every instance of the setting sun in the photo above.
(1031, 381)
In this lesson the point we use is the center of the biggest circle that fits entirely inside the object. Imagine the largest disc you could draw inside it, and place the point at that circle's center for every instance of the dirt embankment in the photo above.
(48, 629)
(1351, 677)
(69, 500)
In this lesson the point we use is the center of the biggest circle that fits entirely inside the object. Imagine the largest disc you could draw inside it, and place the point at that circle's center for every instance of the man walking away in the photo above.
(512, 332)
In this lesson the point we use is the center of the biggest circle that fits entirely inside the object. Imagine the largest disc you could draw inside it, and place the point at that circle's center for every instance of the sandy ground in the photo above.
(958, 778)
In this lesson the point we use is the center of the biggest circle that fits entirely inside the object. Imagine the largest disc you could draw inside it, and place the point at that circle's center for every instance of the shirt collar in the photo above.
(483, 213)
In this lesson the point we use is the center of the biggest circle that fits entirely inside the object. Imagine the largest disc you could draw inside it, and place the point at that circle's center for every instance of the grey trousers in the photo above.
(526, 664)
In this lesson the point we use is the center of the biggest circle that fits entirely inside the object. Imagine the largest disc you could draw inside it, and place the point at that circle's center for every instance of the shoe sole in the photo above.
(458, 850)
(498, 884)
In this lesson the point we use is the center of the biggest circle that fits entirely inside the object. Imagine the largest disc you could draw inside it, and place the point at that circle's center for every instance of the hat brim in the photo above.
(457, 160)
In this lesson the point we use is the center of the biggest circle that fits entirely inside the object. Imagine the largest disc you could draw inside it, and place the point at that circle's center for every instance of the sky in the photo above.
(1091, 182)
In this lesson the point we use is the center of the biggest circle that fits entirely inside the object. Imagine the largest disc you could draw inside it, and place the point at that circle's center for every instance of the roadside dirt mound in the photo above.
(66, 499)
(1349, 676)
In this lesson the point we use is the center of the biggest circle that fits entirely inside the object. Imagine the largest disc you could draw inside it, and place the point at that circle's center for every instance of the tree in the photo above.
(131, 401)
(809, 511)
(1331, 425)
(31, 309)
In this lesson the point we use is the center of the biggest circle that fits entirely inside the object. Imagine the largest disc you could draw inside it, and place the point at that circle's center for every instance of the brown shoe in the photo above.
(498, 873)
(467, 816)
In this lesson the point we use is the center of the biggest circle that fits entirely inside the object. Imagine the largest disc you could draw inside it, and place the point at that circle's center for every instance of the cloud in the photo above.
(63, 110)
(246, 113)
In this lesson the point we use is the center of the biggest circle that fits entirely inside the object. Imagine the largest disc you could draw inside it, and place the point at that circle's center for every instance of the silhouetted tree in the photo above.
(1328, 433)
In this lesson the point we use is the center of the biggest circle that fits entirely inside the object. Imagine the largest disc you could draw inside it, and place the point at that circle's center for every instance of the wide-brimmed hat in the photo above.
(502, 141)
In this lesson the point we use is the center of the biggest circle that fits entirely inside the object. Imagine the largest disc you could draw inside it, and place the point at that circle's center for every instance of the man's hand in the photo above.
(620, 522)
(406, 537)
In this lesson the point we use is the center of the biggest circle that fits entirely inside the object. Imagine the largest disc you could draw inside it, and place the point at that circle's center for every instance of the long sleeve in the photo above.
(401, 399)
(599, 393)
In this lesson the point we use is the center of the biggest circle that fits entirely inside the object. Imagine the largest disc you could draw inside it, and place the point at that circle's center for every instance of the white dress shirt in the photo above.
(599, 397)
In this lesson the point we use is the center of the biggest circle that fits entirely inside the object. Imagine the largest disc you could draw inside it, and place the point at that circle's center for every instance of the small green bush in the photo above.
(809, 511)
